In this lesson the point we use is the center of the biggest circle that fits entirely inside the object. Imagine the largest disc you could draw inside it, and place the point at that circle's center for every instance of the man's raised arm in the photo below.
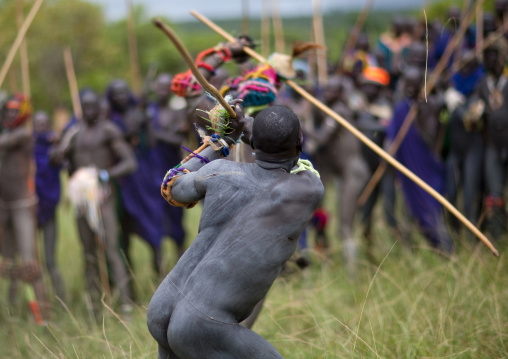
(15, 138)
(179, 187)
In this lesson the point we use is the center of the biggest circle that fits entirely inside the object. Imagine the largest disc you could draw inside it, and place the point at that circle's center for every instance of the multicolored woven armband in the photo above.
(185, 85)
(214, 141)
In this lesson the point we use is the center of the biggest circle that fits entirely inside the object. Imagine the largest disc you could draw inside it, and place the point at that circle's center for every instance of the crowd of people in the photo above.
(124, 144)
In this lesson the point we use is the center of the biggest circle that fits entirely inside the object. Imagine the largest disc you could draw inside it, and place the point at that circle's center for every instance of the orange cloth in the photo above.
(377, 75)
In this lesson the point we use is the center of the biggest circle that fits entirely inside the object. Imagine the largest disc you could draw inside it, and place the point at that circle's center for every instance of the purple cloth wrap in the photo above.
(140, 191)
(47, 179)
(421, 160)
(166, 157)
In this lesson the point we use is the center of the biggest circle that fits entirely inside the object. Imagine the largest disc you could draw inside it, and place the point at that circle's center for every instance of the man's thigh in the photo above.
(192, 334)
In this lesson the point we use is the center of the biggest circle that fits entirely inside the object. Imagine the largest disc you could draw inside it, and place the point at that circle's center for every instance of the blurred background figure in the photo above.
(169, 128)
(47, 188)
(140, 211)
(18, 199)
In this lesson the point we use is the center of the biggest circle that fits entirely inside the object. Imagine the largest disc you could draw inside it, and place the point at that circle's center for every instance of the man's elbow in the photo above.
(132, 166)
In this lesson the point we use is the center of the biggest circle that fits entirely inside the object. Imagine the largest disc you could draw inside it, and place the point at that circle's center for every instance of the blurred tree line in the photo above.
(100, 48)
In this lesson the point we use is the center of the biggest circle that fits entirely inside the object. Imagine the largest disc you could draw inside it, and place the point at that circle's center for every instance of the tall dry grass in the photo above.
(408, 304)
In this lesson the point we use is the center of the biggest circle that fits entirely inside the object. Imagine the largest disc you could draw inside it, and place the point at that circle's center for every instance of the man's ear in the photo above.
(299, 143)
(251, 142)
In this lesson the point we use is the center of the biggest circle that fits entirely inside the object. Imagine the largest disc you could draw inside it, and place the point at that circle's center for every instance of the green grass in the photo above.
(413, 305)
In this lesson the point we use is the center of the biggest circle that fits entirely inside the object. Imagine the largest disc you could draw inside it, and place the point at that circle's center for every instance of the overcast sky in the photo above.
(178, 10)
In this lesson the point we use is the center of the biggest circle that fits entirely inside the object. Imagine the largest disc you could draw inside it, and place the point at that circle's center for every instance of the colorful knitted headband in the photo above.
(21, 103)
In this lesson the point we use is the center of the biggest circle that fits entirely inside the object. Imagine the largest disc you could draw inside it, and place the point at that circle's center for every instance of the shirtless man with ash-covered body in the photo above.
(252, 217)
(140, 207)
(168, 129)
(339, 153)
(97, 142)
(17, 200)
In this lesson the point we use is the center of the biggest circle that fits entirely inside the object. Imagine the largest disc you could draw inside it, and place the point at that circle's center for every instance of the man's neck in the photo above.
(284, 161)
(92, 123)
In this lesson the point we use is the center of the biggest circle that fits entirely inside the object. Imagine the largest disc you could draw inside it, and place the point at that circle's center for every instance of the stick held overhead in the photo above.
(19, 40)
(73, 83)
(190, 62)
(362, 138)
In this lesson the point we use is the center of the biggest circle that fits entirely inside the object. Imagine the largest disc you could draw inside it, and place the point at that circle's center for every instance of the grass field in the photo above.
(415, 304)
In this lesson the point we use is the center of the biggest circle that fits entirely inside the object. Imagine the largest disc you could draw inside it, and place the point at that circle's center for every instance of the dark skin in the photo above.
(490, 60)
(417, 54)
(339, 154)
(489, 24)
(41, 122)
(17, 215)
(363, 42)
(501, 7)
(398, 26)
(230, 266)
(494, 93)
(200, 102)
(133, 118)
(98, 143)
(416, 57)
(371, 91)
(469, 66)
(427, 118)
(372, 121)
(16, 150)
(171, 129)
(42, 125)
(137, 131)
(413, 79)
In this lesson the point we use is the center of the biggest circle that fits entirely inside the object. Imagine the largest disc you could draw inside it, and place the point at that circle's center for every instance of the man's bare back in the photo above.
(252, 217)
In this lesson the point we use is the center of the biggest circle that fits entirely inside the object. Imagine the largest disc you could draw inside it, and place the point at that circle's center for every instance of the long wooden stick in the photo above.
(479, 32)
(458, 51)
(13, 83)
(133, 48)
(277, 27)
(245, 16)
(408, 121)
(265, 29)
(470, 55)
(453, 44)
(353, 38)
(317, 23)
(23, 52)
(190, 62)
(73, 83)
(392, 150)
(19, 39)
(361, 137)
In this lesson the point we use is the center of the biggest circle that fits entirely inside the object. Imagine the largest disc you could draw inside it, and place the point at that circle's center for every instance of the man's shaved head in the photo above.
(276, 129)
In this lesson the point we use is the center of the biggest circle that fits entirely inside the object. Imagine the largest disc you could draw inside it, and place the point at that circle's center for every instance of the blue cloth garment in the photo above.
(415, 154)
(47, 179)
(467, 83)
(140, 191)
(167, 156)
